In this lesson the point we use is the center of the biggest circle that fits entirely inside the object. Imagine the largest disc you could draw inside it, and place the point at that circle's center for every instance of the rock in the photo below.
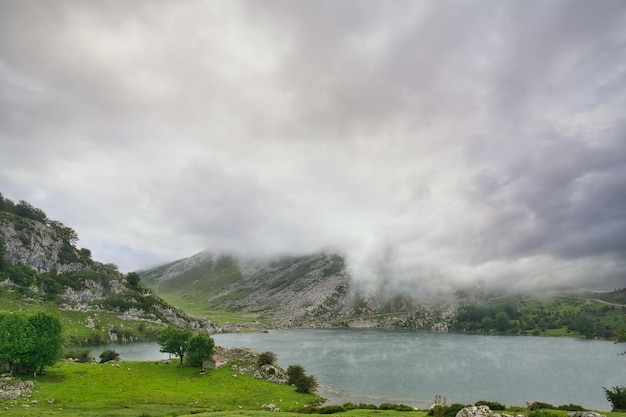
(475, 411)
(585, 414)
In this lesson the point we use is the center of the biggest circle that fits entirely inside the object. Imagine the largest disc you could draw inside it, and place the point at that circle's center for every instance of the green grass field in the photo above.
(148, 389)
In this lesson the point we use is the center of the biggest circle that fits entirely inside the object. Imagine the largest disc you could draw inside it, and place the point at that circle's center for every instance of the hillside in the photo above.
(42, 269)
(306, 291)
(317, 291)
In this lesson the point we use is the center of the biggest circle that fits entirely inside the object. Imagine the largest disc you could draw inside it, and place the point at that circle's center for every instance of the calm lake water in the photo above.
(376, 366)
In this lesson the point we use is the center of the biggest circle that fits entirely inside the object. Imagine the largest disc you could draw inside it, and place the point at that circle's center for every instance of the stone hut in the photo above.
(214, 362)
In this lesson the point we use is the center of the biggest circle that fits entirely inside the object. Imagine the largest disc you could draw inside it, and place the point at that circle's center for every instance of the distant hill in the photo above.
(42, 269)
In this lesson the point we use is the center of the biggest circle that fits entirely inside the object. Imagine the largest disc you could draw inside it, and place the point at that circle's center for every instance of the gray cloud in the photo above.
(442, 143)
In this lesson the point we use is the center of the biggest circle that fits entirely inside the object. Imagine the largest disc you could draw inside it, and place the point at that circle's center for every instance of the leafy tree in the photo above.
(294, 372)
(133, 279)
(266, 358)
(26, 210)
(29, 343)
(306, 384)
(617, 397)
(48, 338)
(174, 340)
(502, 321)
(199, 348)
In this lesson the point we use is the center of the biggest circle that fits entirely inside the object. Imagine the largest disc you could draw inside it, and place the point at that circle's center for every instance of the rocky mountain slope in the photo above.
(41, 268)
(306, 291)
(317, 291)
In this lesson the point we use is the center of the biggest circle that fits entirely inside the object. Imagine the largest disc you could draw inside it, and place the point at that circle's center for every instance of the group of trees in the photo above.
(183, 343)
(22, 209)
(28, 343)
(515, 316)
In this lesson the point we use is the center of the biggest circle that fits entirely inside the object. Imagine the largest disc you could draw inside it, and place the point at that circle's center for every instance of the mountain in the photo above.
(317, 291)
(299, 291)
(42, 269)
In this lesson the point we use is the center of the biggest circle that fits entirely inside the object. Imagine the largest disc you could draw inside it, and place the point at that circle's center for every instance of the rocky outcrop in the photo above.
(35, 245)
(481, 411)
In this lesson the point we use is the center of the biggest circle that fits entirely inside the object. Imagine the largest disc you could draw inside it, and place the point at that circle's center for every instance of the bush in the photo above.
(79, 355)
(306, 384)
(537, 405)
(109, 355)
(294, 372)
(570, 407)
(617, 397)
(331, 409)
(542, 413)
(493, 405)
(266, 358)
(446, 411)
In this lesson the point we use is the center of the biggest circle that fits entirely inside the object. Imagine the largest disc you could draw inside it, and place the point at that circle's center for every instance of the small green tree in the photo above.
(294, 372)
(174, 340)
(502, 321)
(48, 339)
(617, 397)
(133, 279)
(306, 384)
(199, 348)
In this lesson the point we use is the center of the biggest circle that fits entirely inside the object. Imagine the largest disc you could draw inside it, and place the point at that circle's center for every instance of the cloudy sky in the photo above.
(429, 141)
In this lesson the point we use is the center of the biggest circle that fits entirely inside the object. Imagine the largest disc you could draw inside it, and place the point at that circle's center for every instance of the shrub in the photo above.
(306, 384)
(109, 355)
(446, 411)
(570, 407)
(294, 372)
(617, 397)
(403, 407)
(79, 355)
(387, 406)
(331, 409)
(266, 358)
(537, 405)
(542, 413)
(493, 405)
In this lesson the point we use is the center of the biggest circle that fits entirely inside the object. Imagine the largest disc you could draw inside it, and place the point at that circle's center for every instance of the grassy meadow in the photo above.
(147, 389)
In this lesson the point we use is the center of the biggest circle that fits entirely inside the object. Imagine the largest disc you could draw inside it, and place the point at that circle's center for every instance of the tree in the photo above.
(306, 384)
(294, 372)
(617, 397)
(174, 340)
(48, 338)
(199, 348)
(133, 279)
(28, 343)
(502, 321)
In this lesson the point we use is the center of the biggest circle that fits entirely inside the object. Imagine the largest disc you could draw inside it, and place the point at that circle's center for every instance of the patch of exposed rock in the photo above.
(244, 362)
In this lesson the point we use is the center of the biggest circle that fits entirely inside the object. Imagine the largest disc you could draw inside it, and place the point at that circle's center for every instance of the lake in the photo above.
(409, 367)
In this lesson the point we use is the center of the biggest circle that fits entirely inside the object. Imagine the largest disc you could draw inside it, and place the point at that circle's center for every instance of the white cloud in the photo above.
(441, 142)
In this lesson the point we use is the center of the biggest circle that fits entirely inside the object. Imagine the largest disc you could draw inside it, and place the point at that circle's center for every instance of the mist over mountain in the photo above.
(432, 144)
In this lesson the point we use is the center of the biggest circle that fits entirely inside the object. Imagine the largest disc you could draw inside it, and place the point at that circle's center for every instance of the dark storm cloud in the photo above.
(444, 143)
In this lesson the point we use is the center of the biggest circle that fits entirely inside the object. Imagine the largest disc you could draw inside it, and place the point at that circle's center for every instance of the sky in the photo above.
(431, 143)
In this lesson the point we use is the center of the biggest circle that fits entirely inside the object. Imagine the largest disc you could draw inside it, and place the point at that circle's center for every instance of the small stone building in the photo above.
(214, 362)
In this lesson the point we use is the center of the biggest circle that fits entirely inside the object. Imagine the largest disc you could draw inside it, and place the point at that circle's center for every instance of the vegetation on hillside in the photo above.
(581, 314)
(96, 304)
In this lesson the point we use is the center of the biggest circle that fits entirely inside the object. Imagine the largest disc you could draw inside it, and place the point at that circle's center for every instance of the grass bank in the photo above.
(147, 389)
